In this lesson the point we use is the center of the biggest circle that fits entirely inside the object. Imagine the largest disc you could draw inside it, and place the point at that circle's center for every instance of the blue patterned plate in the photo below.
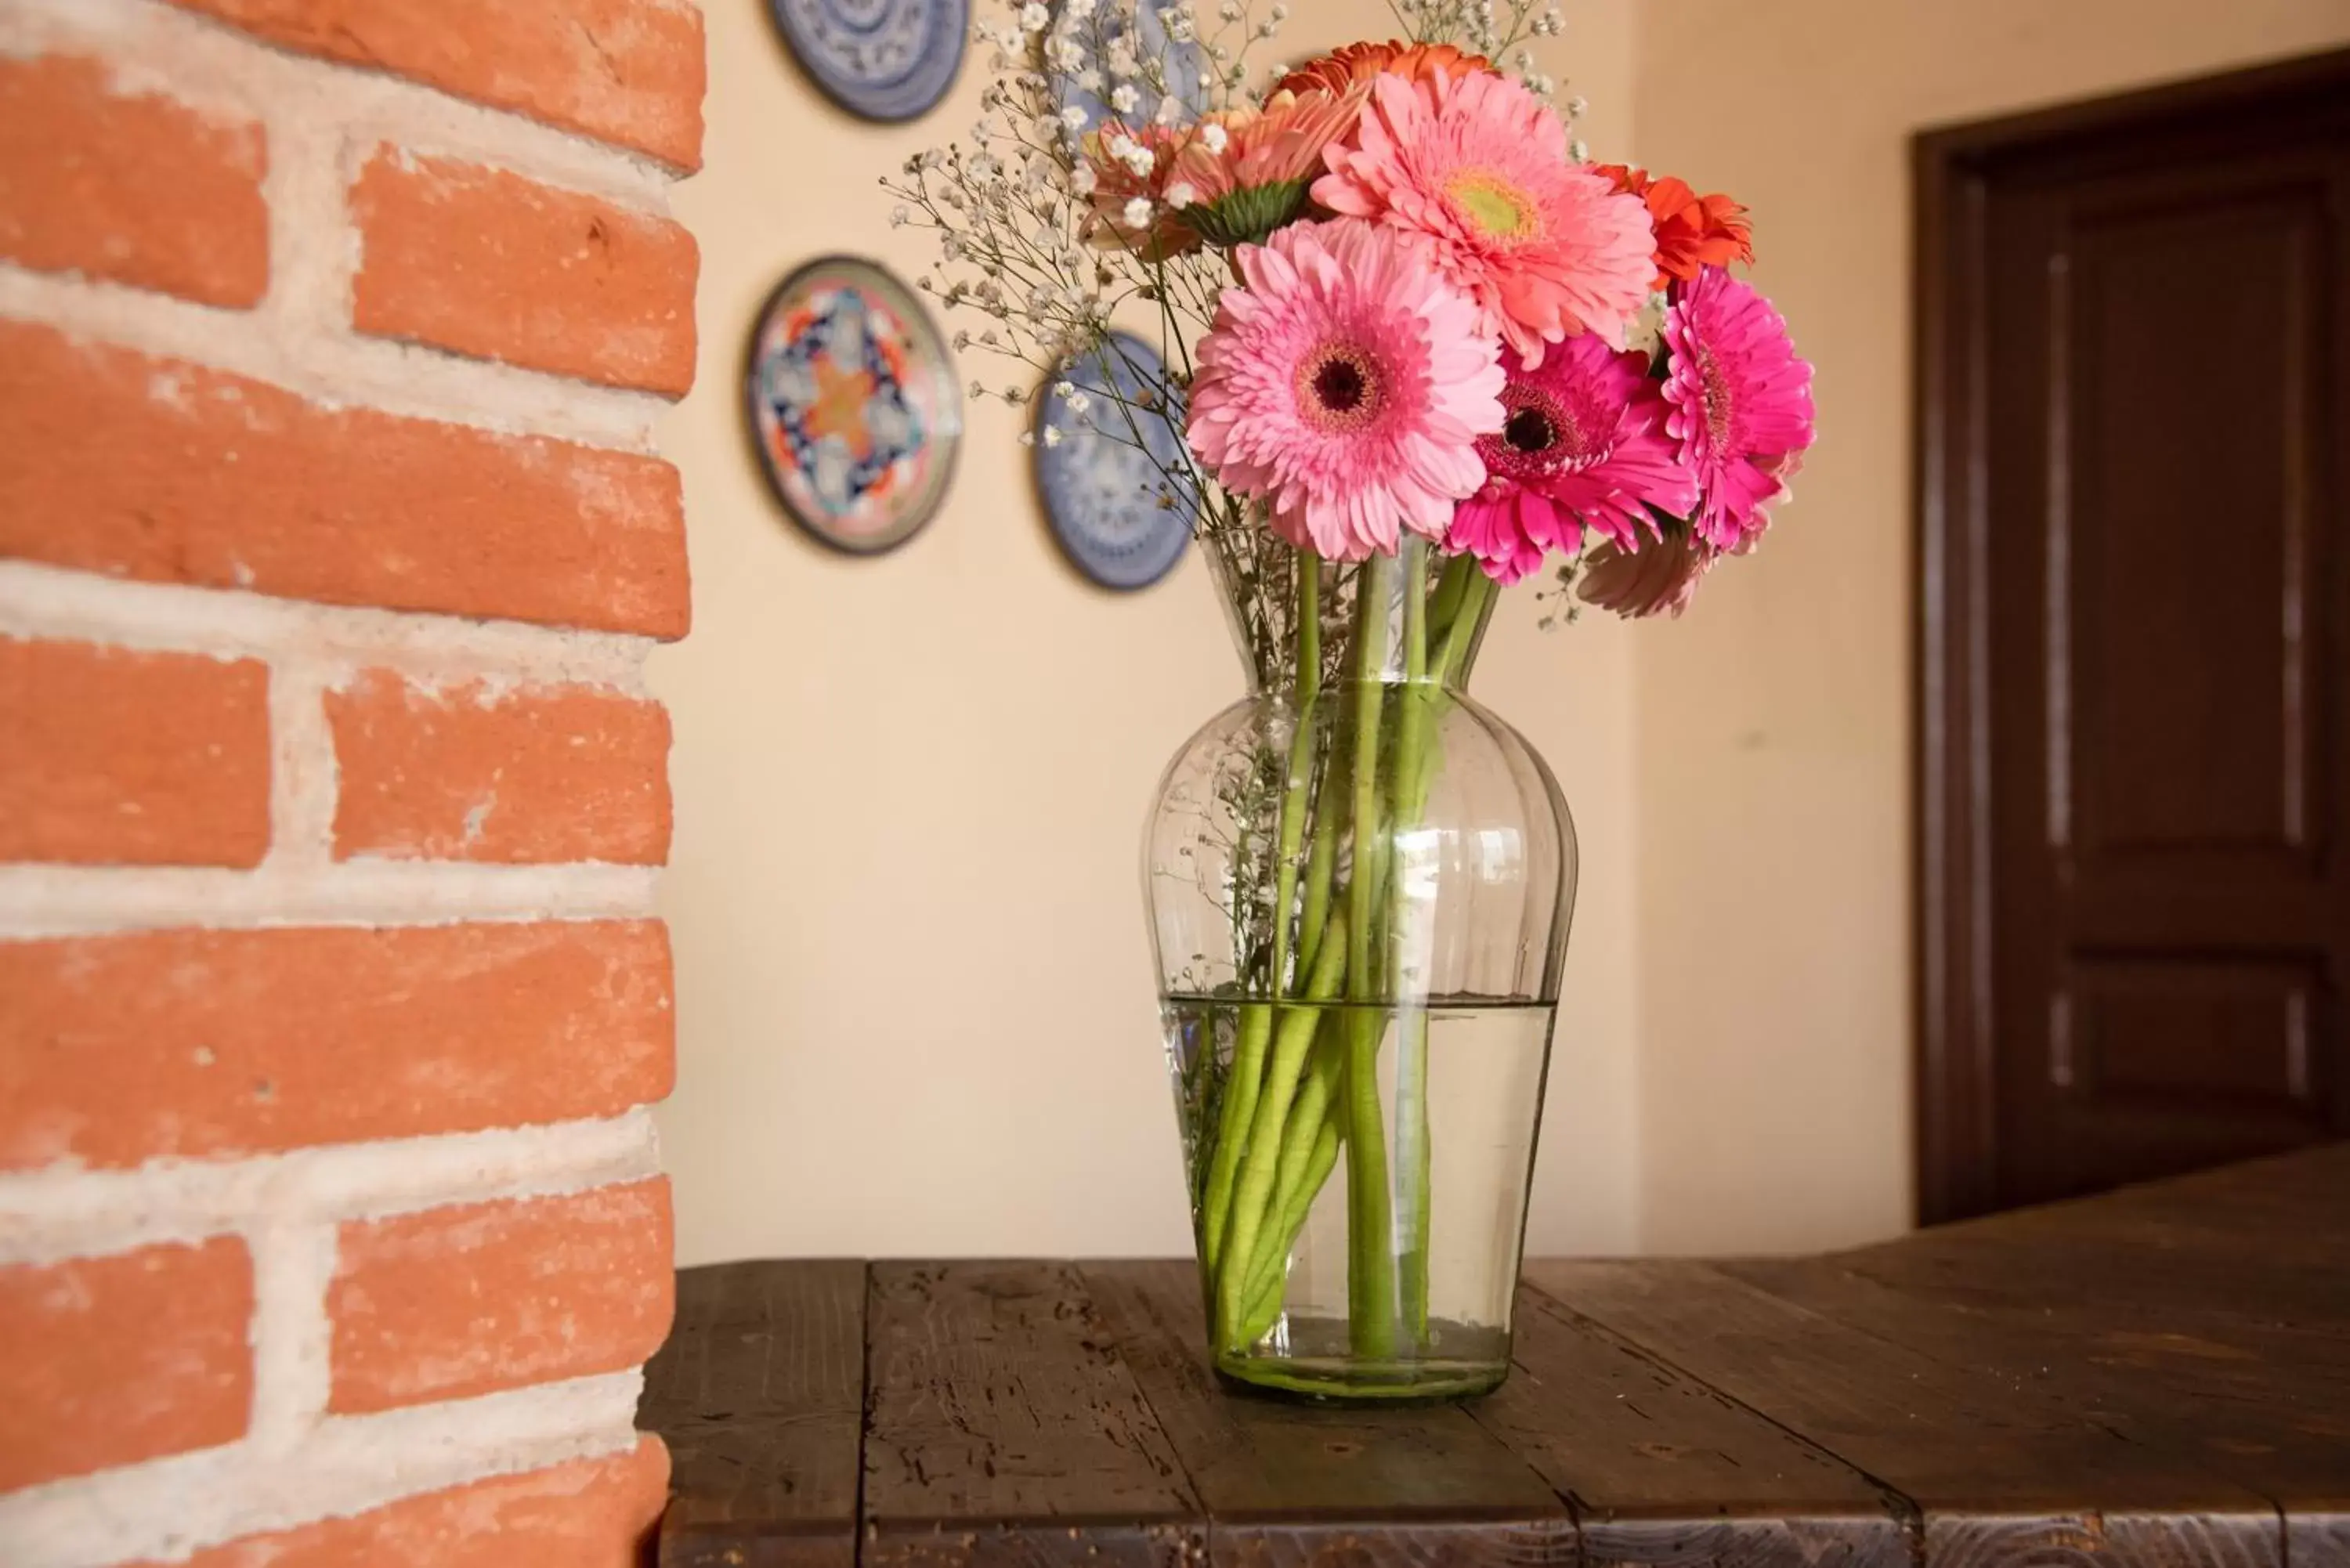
(1116, 517)
(852, 404)
(879, 59)
(1180, 63)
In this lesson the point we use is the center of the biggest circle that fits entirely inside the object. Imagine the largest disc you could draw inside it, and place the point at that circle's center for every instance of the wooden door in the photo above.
(2135, 378)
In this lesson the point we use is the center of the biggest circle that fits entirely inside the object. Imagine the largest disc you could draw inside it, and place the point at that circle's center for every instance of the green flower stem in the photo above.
(1315, 1108)
(1444, 604)
(1413, 721)
(1292, 1036)
(1321, 860)
(1370, 1273)
(1457, 635)
(1268, 1278)
(1301, 763)
(1245, 1083)
(1239, 1106)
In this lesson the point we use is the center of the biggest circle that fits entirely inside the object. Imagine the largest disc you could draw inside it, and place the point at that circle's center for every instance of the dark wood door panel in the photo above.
(2163, 1060)
(2182, 690)
(2135, 732)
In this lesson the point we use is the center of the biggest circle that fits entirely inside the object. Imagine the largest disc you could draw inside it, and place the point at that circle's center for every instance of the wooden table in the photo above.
(2160, 1375)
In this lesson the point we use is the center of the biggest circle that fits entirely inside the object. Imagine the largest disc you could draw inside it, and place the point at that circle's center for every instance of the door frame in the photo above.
(1954, 1088)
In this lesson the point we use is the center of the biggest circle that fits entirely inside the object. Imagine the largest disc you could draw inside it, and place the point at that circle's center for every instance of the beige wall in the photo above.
(915, 1001)
(1773, 724)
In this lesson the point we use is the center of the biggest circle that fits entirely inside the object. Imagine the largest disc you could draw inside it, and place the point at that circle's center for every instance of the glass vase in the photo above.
(1360, 882)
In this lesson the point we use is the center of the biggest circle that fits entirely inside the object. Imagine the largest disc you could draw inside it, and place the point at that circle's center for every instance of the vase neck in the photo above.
(1410, 618)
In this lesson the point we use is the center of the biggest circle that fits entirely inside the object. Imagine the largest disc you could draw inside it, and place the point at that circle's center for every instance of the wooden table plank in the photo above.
(2190, 1388)
(2278, 1286)
(1296, 1484)
(2253, 1246)
(1662, 1470)
(1998, 1474)
(759, 1393)
(1002, 1428)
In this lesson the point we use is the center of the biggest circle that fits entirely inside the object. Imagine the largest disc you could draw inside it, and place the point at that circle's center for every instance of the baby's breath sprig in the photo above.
(1484, 27)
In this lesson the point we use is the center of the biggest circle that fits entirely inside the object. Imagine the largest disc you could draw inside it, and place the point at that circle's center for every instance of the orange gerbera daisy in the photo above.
(1342, 68)
(1693, 232)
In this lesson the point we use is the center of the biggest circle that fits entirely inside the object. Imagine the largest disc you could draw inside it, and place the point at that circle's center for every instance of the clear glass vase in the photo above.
(1359, 883)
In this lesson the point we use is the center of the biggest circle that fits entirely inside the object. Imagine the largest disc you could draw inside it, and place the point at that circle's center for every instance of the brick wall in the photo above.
(332, 540)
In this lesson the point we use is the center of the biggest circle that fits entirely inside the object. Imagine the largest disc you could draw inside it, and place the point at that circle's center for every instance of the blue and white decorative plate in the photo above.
(1116, 517)
(879, 59)
(1179, 66)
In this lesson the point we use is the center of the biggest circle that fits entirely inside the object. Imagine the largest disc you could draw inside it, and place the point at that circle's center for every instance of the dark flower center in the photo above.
(1546, 432)
(1340, 386)
(1529, 430)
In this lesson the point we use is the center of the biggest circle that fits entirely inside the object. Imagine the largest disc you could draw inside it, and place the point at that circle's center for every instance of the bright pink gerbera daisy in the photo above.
(1345, 388)
(1477, 164)
(1741, 402)
(1582, 445)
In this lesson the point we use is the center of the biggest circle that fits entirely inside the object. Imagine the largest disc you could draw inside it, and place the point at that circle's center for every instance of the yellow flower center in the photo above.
(1498, 209)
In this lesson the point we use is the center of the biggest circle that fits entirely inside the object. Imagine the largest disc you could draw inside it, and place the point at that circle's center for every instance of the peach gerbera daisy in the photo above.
(1345, 388)
(1479, 167)
(1241, 174)
(1356, 63)
(1661, 578)
(1127, 170)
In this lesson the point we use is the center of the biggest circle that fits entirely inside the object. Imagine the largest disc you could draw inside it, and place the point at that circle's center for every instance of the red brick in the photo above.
(626, 71)
(114, 757)
(215, 1044)
(452, 1303)
(466, 772)
(155, 469)
(117, 1359)
(590, 1513)
(492, 265)
(131, 186)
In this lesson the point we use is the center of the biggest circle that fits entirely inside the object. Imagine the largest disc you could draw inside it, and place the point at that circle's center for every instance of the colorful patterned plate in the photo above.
(853, 404)
(879, 59)
(1117, 520)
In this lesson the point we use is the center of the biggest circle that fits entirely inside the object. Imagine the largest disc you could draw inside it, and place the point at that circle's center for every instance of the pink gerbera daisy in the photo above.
(1345, 388)
(1477, 164)
(1582, 445)
(1741, 402)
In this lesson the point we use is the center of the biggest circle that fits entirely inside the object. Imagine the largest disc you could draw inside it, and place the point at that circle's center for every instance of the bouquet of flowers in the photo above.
(1418, 347)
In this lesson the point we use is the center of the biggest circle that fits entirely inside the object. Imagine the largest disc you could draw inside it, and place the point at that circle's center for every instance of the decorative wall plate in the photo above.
(853, 404)
(879, 59)
(1112, 512)
(1180, 63)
